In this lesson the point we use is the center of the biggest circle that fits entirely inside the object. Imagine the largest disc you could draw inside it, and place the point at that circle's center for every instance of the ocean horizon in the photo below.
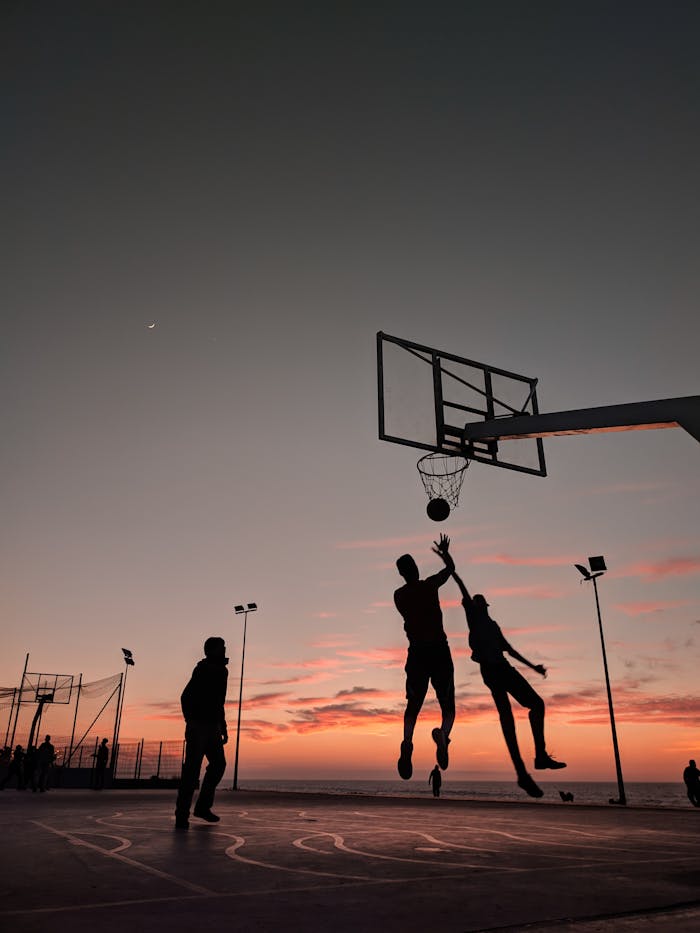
(638, 793)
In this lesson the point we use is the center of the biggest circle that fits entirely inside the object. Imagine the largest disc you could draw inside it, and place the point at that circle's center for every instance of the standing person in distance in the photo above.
(488, 644)
(101, 757)
(435, 779)
(429, 659)
(206, 734)
(691, 778)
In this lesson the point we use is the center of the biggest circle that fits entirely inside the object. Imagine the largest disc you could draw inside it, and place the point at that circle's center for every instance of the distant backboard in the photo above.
(53, 688)
(426, 397)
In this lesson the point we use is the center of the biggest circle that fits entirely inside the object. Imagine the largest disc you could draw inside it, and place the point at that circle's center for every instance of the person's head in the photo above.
(480, 603)
(48, 738)
(406, 566)
(103, 742)
(692, 762)
(215, 648)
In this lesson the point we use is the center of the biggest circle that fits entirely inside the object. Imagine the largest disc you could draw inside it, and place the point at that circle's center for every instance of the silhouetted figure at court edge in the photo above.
(429, 659)
(45, 757)
(436, 780)
(487, 644)
(101, 759)
(202, 703)
(691, 777)
(15, 769)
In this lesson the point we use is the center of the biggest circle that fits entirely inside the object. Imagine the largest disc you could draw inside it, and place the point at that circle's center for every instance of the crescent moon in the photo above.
(151, 326)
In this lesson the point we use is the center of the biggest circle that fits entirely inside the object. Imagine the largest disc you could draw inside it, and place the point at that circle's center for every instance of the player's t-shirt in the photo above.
(419, 605)
(486, 639)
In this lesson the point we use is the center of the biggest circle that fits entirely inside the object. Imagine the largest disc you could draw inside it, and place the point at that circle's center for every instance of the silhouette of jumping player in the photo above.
(691, 776)
(487, 644)
(101, 758)
(428, 659)
(202, 703)
(436, 780)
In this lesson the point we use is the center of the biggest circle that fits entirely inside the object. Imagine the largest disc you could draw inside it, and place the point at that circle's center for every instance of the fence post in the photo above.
(160, 752)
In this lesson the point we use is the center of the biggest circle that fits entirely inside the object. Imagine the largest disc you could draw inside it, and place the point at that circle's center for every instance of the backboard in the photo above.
(427, 396)
(53, 688)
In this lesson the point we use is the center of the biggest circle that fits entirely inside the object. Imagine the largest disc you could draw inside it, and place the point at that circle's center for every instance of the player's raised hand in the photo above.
(442, 546)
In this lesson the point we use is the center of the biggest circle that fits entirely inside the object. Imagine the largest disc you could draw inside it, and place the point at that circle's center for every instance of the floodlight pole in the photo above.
(128, 662)
(622, 801)
(241, 610)
(19, 701)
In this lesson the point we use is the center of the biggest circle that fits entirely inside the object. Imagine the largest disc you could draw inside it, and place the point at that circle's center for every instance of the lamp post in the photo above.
(241, 610)
(597, 569)
(128, 662)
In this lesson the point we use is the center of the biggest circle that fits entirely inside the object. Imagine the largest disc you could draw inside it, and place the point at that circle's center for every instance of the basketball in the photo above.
(438, 510)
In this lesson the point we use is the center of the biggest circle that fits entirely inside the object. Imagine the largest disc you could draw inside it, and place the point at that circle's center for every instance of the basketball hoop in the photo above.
(442, 476)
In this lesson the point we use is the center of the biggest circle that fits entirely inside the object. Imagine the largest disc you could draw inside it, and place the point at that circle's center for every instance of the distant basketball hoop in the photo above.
(442, 476)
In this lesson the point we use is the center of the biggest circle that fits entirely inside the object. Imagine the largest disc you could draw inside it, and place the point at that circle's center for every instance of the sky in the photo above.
(270, 184)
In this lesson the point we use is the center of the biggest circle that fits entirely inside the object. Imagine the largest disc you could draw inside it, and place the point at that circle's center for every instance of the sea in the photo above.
(638, 793)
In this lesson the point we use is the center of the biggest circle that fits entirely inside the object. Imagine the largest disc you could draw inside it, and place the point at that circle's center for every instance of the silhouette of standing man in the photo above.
(691, 776)
(45, 756)
(429, 659)
(436, 780)
(202, 703)
(488, 643)
(101, 759)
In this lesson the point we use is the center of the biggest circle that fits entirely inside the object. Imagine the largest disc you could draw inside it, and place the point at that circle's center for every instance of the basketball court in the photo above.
(83, 860)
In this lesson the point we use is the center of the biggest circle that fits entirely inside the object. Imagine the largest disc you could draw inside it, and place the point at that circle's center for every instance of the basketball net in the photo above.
(442, 476)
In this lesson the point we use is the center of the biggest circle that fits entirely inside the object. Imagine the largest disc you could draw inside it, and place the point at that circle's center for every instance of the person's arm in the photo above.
(441, 548)
(539, 668)
(462, 588)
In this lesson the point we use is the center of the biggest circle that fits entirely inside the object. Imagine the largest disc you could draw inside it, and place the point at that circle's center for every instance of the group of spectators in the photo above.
(29, 768)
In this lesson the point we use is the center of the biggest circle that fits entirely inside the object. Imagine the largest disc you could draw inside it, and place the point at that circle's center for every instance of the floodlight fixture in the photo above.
(597, 564)
(252, 607)
(239, 609)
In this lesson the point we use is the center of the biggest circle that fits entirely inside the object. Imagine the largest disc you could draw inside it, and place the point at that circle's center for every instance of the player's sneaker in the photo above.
(206, 815)
(441, 741)
(546, 761)
(404, 763)
(528, 785)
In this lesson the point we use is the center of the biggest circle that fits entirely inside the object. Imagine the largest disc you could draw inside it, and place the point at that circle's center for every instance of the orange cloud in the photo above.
(645, 607)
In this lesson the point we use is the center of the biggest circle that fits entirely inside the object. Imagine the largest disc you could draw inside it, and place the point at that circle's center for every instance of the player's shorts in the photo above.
(504, 678)
(426, 664)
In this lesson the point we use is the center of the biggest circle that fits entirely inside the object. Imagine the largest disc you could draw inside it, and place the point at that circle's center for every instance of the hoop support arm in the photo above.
(634, 416)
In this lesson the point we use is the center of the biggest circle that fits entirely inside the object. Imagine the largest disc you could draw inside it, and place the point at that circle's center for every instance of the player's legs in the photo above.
(442, 677)
(194, 753)
(417, 680)
(216, 765)
(524, 693)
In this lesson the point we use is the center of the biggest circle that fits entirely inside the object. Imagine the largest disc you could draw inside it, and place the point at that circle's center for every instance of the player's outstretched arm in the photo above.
(539, 668)
(442, 549)
(460, 583)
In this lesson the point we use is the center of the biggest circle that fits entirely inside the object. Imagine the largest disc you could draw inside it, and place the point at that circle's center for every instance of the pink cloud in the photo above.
(324, 615)
(510, 559)
(316, 678)
(388, 658)
(531, 591)
(649, 606)
(658, 570)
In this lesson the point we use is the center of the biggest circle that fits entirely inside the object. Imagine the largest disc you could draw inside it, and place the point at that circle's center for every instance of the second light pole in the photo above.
(597, 569)
(241, 610)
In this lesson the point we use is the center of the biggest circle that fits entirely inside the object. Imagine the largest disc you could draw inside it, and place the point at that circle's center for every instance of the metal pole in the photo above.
(115, 736)
(240, 701)
(12, 710)
(121, 706)
(75, 719)
(160, 754)
(19, 701)
(620, 785)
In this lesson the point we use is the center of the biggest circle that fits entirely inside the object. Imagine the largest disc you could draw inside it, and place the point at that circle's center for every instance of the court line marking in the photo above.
(148, 869)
